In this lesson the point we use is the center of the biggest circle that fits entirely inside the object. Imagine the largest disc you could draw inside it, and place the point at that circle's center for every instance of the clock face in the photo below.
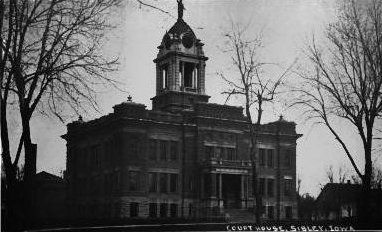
(187, 40)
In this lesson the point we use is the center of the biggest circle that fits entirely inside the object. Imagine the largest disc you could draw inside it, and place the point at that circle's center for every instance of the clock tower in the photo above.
(180, 68)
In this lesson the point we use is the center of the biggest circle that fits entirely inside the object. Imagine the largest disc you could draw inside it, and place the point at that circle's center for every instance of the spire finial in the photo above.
(180, 9)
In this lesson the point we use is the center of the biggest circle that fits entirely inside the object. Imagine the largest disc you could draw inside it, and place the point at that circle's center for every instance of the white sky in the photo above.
(286, 23)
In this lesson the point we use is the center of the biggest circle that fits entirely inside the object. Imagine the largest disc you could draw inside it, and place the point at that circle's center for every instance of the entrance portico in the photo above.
(227, 187)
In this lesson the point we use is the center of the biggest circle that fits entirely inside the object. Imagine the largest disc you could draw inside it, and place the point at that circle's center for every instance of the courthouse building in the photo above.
(185, 157)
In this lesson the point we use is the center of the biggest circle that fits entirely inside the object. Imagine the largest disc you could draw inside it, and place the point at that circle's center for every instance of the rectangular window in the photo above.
(174, 210)
(153, 210)
(133, 180)
(116, 210)
(207, 186)
(191, 184)
(134, 151)
(96, 156)
(190, 209)
(271, 212)
(188, 74)
(163, 210)
(163, 182)
(134, 209)
(271, 186)
(107, 183)
(270, 158)
(288, 158)
(163, 150)
(263, 210)
(219, 153)
(174, 150)
(209, 152)
(288, 187)
(173, 182)
(116, 180)
(231, 154)
(262, 156)
(288, 212)
(153, 149)
(85, 154)
(153, 182)
(224, 153)
(262, 186)
(106, 153)
(164, 73)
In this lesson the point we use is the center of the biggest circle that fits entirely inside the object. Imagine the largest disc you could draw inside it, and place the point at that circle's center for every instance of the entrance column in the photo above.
(182, 72)
(220, 190)
(213, 200)
(202, 190)
(242, 186)
(242, 194)
(220, 186)
(213, 185)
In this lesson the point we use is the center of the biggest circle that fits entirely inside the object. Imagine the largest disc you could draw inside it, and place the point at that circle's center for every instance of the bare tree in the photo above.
(330, 174)
(50, 61)
(376, 178)
(299, 180)
(252, 85)
(341, 177)
(346, 81)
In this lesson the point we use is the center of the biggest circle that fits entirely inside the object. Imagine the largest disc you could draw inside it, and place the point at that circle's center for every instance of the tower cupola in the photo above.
(180, 68)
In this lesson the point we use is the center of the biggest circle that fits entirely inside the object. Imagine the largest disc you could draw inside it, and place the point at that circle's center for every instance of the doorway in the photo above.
(231, 190)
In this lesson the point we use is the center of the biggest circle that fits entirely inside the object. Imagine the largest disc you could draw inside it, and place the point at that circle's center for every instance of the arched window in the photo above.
(188, 74)
(164, 76)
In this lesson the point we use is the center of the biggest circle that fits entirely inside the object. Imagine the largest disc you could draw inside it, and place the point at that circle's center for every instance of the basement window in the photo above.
(134, 209)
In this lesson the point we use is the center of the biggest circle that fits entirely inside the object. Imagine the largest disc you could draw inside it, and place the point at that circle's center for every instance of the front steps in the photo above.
(239, 215)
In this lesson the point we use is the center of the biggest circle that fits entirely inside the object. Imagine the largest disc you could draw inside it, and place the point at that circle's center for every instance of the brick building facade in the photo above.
(184, 158)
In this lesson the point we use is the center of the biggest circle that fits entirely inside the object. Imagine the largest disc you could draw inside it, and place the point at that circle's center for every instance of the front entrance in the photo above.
(231, 190)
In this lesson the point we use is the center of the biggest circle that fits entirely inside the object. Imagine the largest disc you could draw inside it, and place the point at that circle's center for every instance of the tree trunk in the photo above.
(10, 172)
(29, 147)
(256, 193)
(365, 212)
(29, 166)
(13, 214)
(253, 138)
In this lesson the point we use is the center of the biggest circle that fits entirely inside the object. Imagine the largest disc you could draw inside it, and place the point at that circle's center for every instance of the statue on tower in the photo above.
(180, 9)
